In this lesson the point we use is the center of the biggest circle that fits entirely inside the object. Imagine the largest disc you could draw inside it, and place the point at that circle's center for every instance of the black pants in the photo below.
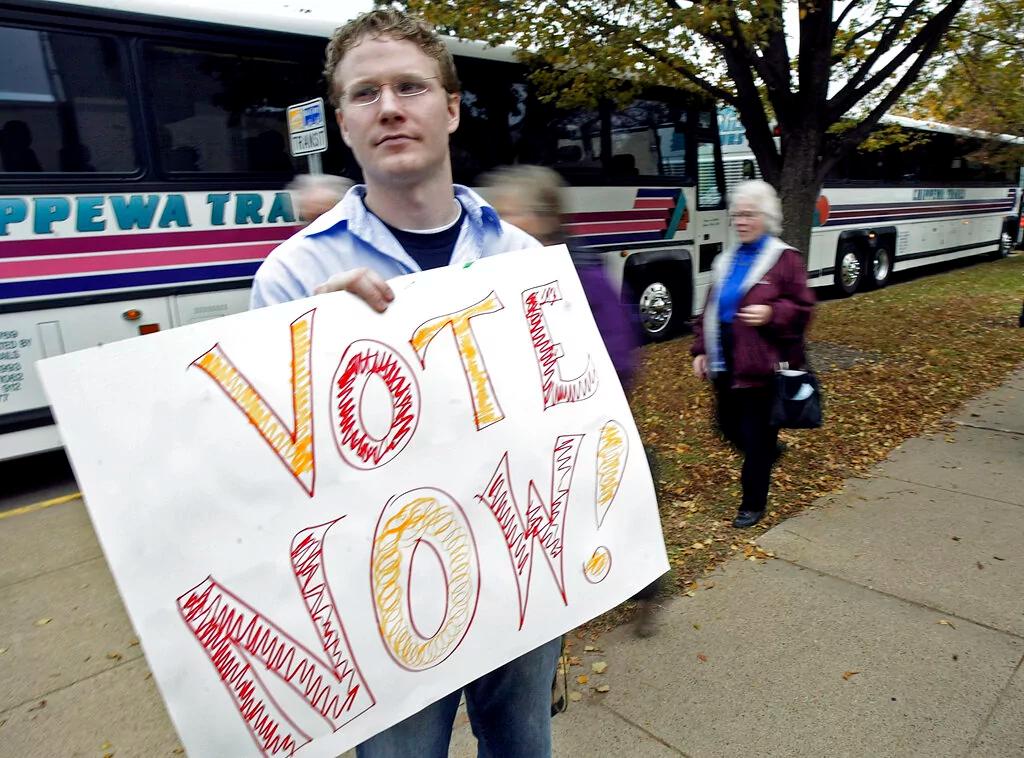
(744, 418)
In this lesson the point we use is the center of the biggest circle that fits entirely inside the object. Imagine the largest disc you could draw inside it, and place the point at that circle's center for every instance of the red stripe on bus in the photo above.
(616, 227)
(598, 216)
(871, 210)
(112, 242)
(123, 261)
(654, 202)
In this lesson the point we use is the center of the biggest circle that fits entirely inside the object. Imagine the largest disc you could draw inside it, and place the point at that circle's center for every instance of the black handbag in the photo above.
(797, 400)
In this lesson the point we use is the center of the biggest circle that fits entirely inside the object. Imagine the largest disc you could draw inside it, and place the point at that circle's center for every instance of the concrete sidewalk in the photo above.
(889, 623)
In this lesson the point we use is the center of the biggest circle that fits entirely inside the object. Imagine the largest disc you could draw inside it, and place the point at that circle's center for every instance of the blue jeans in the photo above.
(509, 710)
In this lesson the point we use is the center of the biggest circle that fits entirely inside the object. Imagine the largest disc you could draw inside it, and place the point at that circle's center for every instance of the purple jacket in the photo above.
(612, 318)
(759, 349)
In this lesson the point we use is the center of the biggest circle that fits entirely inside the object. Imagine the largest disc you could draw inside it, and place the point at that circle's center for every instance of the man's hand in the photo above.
(364, 284)
(755, 315)
(700, 366)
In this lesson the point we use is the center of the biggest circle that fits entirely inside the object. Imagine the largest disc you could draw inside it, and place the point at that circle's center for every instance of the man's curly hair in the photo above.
(387, 22)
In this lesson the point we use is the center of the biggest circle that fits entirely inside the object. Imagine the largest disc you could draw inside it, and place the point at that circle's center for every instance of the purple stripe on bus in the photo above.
(127, 280)
(608, 239)
(923, 205)
(869, 219)
(672, 192)
(654, 214)
(920, 212)
(113, 242)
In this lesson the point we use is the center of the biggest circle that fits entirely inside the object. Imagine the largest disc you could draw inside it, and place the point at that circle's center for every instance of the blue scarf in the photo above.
(731, 292)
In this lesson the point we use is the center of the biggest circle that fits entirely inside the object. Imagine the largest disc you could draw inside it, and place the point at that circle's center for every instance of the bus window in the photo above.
(62, 104)
(649, 139)
(224, 112)
(709, 190)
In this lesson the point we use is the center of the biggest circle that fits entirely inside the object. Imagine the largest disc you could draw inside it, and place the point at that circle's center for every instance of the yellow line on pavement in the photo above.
(41, 504)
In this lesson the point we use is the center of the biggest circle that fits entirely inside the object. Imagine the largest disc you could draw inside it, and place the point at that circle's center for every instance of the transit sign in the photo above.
(307, 127)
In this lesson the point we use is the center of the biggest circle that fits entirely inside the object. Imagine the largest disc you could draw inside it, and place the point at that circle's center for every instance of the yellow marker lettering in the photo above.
(486, 410)
(294, 446)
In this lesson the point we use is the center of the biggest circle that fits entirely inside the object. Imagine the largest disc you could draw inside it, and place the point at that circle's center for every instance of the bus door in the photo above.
(711, 220)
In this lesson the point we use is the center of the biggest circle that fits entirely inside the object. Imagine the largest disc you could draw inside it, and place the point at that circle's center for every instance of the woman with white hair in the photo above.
(755, 317)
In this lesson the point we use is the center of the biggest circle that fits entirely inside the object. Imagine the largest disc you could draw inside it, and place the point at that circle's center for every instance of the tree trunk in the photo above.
(799, 186)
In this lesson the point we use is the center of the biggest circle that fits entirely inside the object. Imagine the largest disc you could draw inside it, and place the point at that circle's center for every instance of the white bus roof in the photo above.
(935, 126)
(313, 18)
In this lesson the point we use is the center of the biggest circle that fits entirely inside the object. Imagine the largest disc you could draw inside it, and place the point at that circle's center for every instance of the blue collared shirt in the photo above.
(348, 236)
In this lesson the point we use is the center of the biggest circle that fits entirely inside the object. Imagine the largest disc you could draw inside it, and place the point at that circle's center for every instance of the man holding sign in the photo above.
(395, 88)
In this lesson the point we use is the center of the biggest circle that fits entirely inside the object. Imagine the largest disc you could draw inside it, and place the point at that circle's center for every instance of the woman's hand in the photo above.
(755, 315)
(700, 366)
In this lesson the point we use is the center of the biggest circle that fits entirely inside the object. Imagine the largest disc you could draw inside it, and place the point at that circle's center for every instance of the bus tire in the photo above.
(849, 273)
(1005, 243)
(881, 267)
(660, 309)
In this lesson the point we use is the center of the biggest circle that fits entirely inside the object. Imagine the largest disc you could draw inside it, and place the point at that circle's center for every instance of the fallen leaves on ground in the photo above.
(38, 706)
(848, 674)
(602, 688)
(43, 622)
(891, 364)
(946, 623)
(702, 658)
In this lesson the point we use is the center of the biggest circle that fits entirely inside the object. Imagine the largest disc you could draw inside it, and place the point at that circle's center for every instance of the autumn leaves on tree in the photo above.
(807, 67)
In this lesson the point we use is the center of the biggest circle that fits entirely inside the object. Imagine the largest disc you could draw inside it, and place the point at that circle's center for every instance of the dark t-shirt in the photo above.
(430, 249)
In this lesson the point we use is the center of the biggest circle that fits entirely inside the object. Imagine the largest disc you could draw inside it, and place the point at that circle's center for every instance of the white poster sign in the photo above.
(322, 519)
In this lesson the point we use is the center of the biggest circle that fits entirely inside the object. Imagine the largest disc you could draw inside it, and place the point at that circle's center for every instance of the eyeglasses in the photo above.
(744, 214)
(368, 94)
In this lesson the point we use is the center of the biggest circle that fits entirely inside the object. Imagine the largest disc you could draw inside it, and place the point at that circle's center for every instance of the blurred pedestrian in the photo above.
(530, 197)
(757, 310)
(315, 194)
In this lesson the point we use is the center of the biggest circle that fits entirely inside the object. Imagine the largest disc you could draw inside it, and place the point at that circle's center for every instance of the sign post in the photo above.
(307, 132)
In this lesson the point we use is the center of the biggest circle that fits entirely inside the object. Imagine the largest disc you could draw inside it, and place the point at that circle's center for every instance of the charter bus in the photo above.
(918, 193)
(144, 166)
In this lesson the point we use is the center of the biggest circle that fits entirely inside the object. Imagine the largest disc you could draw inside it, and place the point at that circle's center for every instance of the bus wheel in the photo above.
(1005, 244)
(881, 267)
(849, 270)
(657, 309)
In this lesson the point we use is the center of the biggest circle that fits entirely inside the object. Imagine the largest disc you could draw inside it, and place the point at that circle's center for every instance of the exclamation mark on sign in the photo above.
(612, 451)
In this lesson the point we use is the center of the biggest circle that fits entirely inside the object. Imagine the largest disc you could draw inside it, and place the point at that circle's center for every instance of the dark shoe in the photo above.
(747, 518)
(644, 627)
(559, 690)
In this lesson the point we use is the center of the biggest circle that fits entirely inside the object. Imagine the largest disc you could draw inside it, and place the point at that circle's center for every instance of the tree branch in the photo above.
(842, 16)
(814, 64)
(752, 115)
(884, 44)
(924, 43)
(852, 138)
(855, 38)
(769, 75)
(686, 73)
(775, 51)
